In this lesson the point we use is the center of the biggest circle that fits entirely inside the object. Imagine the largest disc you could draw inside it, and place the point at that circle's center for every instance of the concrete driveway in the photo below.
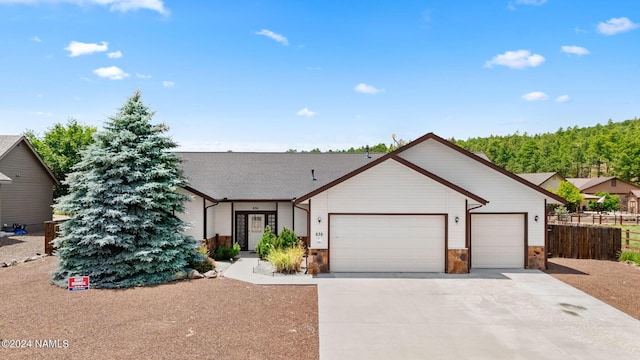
(514, 314)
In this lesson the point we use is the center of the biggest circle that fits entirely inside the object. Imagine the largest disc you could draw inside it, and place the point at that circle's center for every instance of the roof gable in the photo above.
(538, 178)
(9, 142)
(401, 161)
(451, 146)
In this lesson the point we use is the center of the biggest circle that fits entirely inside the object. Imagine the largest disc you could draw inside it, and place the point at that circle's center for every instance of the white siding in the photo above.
(300, 219)
(254, 206)
(193, 214)
(389, 187)
(222, 219)
(285, 216)
(503, 193)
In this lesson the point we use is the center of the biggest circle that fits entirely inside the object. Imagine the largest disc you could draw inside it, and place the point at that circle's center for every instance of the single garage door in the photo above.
(497, 240)
(387, 243)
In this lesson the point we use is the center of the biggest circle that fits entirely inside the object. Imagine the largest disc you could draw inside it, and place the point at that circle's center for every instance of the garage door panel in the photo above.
(497, 240)
(387, 243)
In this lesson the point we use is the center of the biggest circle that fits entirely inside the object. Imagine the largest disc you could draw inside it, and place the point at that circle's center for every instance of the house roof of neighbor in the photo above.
(537, 178)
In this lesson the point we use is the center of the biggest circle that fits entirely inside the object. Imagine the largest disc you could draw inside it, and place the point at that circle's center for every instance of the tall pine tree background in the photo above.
(122, 197)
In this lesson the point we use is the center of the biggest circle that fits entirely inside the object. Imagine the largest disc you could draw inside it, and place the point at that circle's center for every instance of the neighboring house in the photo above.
(633, 199)
(429, 206)
(609, 184)
(26, 185)
(546, 180)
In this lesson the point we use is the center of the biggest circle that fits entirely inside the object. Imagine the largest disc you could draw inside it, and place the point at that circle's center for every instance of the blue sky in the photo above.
(273, 75)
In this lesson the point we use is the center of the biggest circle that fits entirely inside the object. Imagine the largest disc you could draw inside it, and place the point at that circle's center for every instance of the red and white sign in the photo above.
(79, 283)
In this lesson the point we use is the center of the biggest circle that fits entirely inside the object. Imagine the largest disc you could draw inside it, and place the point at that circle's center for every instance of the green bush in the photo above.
(630, 256)
(227, 252)
(266, 243)
(203, 266)
(287, 260)
(287, 239)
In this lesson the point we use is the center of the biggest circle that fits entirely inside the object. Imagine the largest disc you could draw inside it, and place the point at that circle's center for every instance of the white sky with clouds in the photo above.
(274, 75)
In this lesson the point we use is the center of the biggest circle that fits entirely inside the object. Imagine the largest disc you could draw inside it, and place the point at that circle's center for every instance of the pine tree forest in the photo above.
(602, 150)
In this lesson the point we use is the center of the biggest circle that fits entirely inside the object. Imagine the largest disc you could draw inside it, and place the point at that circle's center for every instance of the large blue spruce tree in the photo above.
(122, 197)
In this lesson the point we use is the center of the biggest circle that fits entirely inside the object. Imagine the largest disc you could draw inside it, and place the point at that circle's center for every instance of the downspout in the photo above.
(204, 215)
(468, 230)
(308, 211)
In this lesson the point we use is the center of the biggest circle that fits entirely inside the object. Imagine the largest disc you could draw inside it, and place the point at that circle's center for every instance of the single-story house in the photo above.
(546, 180)
(26, 185)
(609, 184)
(633, 199)
(429, 206)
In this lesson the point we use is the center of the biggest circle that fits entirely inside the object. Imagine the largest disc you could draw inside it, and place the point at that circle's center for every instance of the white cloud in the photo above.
(306, 112)
(77, 48)
(535, 96)
(114, 5)
(531, 2)
(562, 99)
(143, 76)
(168, 83)
(366, 89)
(616, 25)
(577, 50)
(111, 73)
(518, 59)
(35, 39)
(115, 55)
(270, 34)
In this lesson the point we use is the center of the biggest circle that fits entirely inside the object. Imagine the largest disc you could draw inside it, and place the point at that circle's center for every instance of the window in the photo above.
(613, 182)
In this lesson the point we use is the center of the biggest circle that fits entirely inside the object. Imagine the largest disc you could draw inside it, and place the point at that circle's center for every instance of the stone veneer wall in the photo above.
(458, 261)
(318, 261)
(536, 258)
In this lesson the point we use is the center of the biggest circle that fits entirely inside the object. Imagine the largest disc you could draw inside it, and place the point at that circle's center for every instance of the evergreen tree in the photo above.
(122, 195)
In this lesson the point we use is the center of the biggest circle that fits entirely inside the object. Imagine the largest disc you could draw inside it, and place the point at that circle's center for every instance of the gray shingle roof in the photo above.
(266, 176)
(7, 142)
(585, 183)
(537, 178)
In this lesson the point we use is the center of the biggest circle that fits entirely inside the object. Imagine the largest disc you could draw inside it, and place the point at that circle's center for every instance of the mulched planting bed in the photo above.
(205, 318)
(615, 283)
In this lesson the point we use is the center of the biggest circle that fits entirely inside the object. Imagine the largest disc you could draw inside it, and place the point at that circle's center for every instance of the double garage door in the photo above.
(387, 243)
(416, 243)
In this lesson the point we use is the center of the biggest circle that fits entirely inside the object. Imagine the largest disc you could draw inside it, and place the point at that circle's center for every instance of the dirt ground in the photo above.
(206, 318)
(615, 283)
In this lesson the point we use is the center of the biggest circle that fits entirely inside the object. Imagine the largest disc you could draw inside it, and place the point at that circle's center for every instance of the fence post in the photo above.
(626, 240)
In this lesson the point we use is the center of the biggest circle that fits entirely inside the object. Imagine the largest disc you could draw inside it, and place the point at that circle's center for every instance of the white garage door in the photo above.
(497, 240)
(387, 243)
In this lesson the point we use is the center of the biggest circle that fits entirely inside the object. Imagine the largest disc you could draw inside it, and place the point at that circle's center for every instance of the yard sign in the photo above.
(79, 283)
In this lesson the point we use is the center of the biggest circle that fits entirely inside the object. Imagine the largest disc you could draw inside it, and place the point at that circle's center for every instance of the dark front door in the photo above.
(250, 227)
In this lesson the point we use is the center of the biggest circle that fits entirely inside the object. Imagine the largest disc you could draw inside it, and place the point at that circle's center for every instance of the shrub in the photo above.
(203, 266)
(266, 243)
(287, 239)
(286, 260)
(630, 256)
(227, 252)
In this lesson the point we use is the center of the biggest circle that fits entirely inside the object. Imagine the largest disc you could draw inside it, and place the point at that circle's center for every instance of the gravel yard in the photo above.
(19, 247)
(206, 318)
(615, 283)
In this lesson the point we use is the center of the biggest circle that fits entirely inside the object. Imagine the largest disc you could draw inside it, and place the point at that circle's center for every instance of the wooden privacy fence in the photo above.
(584, 242)
(51, 230)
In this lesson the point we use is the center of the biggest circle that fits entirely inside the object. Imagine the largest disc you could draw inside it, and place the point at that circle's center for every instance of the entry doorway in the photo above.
(250, 227)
